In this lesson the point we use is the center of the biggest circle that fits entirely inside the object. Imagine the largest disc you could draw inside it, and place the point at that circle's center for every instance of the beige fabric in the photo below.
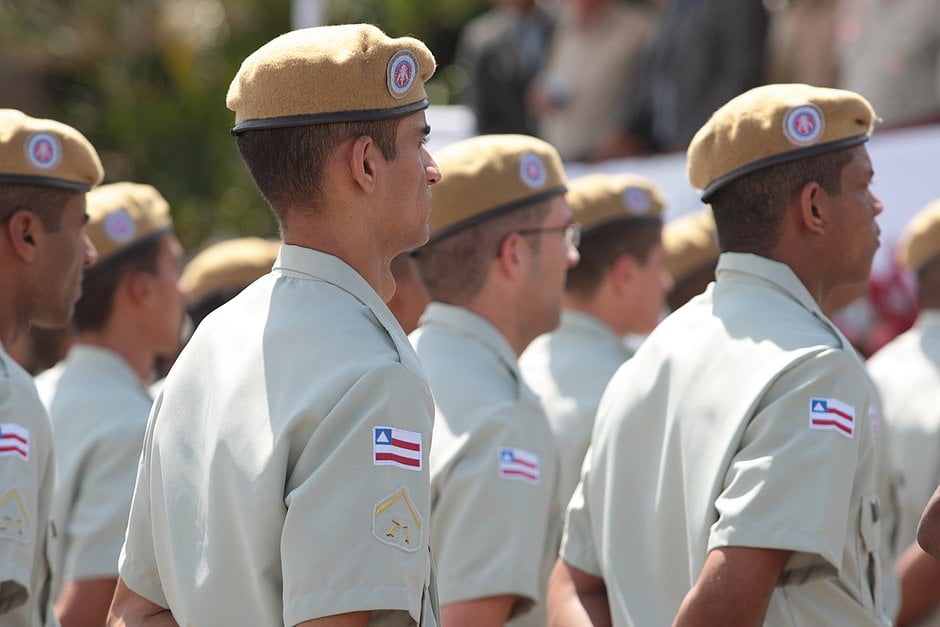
(690, 242)
(587, 72)
(907, 373)
(920, 242)
(491, 535)
(709, 426)
(26, 486)
(774, 123)
(568, 369)
(598, 199)
(231, 264)
(488, 174)
(46, 152)
(258, 500)
(99, 413)
(123, 214)
(331, 69)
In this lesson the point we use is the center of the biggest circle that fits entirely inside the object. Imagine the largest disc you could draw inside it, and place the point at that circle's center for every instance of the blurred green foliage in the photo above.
(146, 80)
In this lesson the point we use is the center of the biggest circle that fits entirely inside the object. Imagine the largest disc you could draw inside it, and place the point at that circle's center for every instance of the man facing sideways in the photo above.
(284, 476)
(618, 287)
(45, 169)
(130, 313)
(907, 373)
(502, 240)
(737, 446)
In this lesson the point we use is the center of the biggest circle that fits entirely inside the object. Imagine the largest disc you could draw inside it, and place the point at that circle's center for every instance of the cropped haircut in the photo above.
(601, 247)
(287, 164)
(100, 282)
(44, 201)
(454, 268)
(748, 211)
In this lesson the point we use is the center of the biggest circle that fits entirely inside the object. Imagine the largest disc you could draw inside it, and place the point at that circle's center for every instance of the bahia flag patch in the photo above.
(832, 414)
(515, 463)
(396, 447)
(14, 440)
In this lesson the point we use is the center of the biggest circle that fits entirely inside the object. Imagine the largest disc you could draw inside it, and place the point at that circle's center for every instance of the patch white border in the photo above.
(794, 114)
(30, 147)
(406, 57)
(114, 224)
(384, 503)
(530, 158)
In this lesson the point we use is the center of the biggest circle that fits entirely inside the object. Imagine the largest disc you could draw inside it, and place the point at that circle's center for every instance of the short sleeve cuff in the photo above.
(520, 584)
(814, 555)
(145, 585)
(333, 601)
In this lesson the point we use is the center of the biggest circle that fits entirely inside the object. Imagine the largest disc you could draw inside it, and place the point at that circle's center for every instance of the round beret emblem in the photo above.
(803, 125)
(532, 170)
(636, 200)
(120, 226)
(43, 150)
(402, 70)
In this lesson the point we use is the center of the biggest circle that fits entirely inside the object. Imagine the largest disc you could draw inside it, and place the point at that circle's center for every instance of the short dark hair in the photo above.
(43, 200)
(601, 247)
(453, 268)
(748, 210)
(287, 163)
(100, 282)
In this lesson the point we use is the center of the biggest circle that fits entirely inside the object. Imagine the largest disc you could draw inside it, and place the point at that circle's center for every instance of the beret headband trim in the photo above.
(48, 181)
(792, 155)
(103, 262)
(480, 217)
(647, 218)
(363, 115)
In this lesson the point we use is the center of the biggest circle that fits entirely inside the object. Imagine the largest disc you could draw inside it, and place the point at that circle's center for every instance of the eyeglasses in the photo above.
(571, 231)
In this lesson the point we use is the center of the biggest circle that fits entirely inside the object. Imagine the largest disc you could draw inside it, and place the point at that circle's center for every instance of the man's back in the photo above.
(280, 396)
(735, 460)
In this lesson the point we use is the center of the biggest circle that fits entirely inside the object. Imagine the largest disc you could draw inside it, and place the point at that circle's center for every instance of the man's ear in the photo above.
(623, 271)
(138, 286)
(25, 230)
(512, 255)
(362, 163)
(814, 208)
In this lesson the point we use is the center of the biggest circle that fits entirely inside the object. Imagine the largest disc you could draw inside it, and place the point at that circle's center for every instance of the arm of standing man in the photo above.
(734, 587)
(485, 612)
(576, 598)
(928, 531)
(918, 573)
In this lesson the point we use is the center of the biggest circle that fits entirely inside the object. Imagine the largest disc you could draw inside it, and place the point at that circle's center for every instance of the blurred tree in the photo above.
(146, 80)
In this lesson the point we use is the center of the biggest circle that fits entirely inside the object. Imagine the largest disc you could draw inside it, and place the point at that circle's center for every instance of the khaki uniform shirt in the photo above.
(907, 373)
(284, 468)
(568, 369)
(99, 413)
(27, 474)
(743, 420)
(493, 464)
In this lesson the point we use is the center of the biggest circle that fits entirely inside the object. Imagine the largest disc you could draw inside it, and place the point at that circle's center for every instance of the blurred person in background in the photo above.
(411, 296)
(45, 170)
(691, 245)
(130, 312)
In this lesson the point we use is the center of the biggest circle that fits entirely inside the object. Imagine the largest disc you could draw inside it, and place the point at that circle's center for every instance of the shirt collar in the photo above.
(479, 328)
(583, 321)
(98, 361)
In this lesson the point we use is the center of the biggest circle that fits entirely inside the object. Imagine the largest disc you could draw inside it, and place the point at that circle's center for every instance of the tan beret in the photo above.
(346, 73)
(598, 199)
(485, 176)
(920, 242)
(232, 264)
(121, 215)
(774, 124)
(690, 242)
(46, 152)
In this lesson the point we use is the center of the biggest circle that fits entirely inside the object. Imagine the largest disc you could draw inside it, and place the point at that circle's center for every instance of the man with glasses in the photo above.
(501, 242)
(618, 287)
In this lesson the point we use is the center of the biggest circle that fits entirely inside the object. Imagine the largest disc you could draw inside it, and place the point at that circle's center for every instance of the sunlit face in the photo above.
(652, 283)
(854, 234)
(168, 305)
(63, 255)
(412, 173)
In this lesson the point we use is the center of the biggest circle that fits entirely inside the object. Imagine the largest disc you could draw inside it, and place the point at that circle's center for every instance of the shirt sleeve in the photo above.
(790, 484)
(98, 516)
(356, 531)
(577, 543)
(490, 530)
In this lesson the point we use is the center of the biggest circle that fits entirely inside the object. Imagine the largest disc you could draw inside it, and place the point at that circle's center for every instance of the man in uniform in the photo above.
(45, 169)
(907, 373)
(502, 240)
(283, 478)
(737, 446)
(618, 287)
(130, 312)
(691, 245)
